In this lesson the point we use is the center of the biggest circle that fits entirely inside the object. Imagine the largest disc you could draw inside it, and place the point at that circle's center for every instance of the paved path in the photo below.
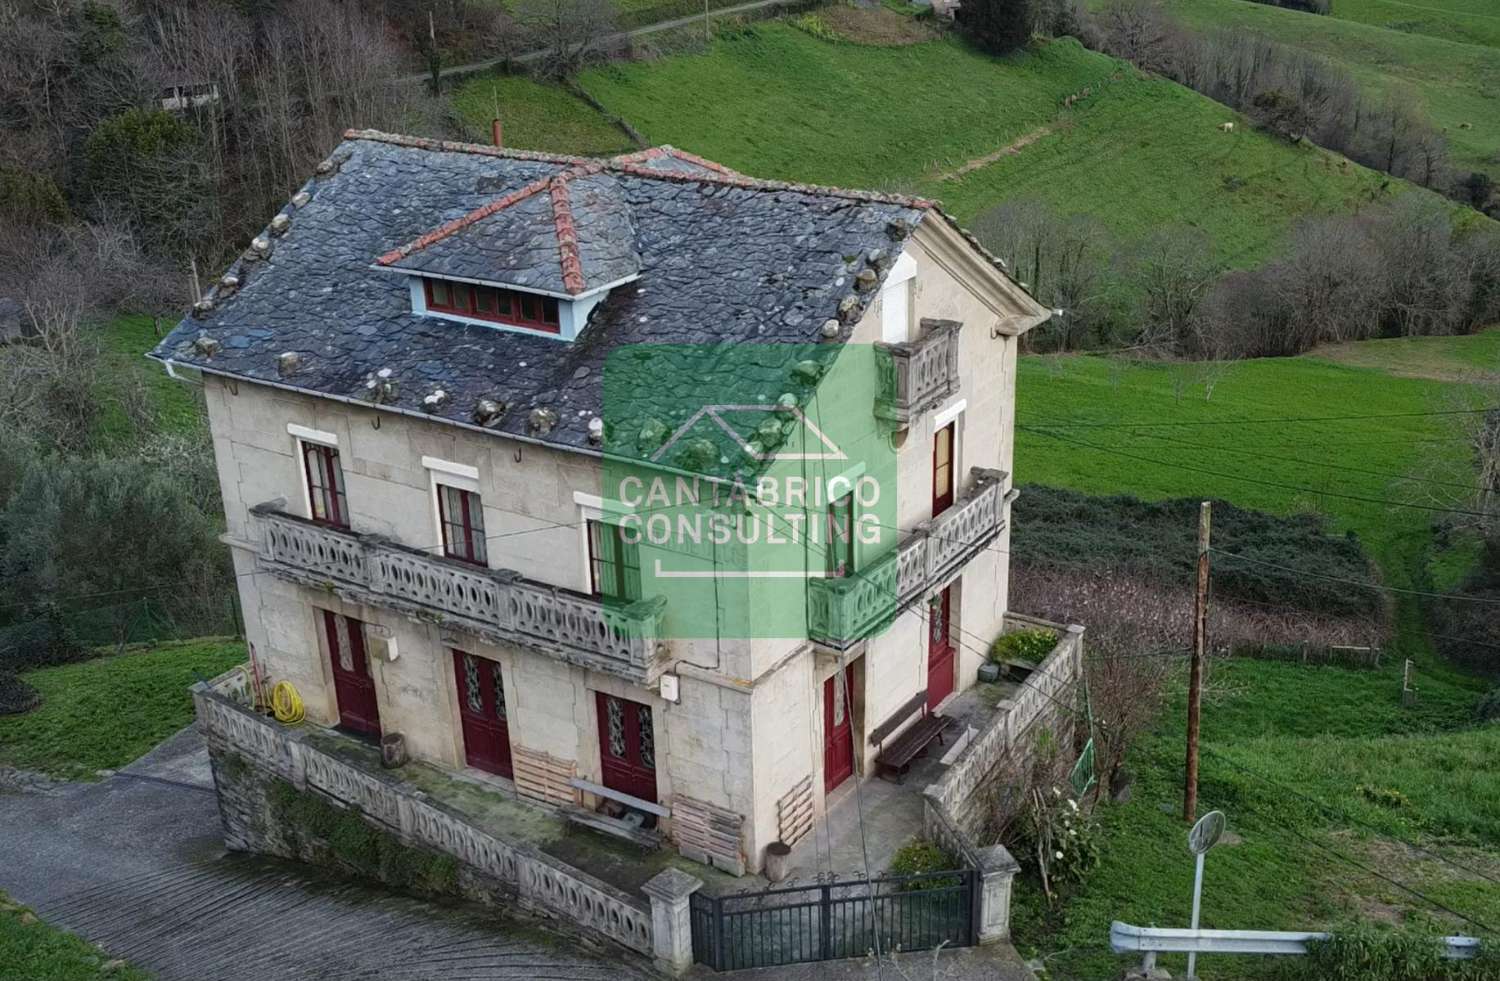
(609, 40)
(135, 864)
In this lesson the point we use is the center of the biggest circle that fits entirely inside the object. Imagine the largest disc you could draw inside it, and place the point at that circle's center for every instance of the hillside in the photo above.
(1323, 774)
(1456, 82)
(1134, 152)
(1470, 21)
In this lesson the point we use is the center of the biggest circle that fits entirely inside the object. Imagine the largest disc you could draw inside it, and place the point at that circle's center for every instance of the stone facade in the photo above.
(745, 727)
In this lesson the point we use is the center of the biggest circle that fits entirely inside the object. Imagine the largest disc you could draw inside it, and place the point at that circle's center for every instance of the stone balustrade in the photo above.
(539, 880)
(498, 605)
(917, 375)
(844, 610)
(955, 807)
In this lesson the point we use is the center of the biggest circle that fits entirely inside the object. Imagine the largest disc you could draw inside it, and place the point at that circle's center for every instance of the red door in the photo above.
(481, 710)
(352, 684)
(940, 653)
(838, 735)
(627, 746)
(942, 469)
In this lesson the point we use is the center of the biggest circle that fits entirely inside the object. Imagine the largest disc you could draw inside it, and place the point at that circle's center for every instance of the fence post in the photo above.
(996, 870)
(825, 918)
(671, 922)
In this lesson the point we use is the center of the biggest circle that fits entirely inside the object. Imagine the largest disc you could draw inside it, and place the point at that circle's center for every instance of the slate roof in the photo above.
(721, 259)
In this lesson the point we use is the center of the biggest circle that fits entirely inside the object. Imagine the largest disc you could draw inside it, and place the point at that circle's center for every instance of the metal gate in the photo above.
(828, 920)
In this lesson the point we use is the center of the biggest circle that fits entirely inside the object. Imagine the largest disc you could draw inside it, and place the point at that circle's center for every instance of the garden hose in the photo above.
(286, 704)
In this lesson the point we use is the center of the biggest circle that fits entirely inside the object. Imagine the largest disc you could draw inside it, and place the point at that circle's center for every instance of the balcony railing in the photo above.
(842, 611)
(497, 604)
(918, 375)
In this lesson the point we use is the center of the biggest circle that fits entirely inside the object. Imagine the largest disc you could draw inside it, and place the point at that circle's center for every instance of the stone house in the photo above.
(406, 378)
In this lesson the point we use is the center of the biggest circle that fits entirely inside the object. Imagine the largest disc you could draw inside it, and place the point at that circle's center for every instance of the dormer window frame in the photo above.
(572, 311)
(473, 295)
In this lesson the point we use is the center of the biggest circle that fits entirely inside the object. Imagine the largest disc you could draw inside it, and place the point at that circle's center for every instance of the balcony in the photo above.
(498, 605)
(846, 610)
(918, 375)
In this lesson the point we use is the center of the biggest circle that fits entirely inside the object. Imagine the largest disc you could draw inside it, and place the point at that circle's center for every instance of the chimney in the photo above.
(495, 132)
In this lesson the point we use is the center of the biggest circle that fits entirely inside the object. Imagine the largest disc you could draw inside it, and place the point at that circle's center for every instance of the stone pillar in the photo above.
(996, 870)
(671, 926)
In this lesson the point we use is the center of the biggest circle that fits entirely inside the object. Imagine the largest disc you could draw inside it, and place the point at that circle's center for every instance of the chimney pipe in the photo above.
(495, 132)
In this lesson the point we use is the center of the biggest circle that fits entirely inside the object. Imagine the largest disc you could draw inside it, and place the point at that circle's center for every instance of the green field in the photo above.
(1470, 21)
(1325, 733)
(174, 406)
(1458, 83)
(1137, 153)
(101, 714)
(536, 116)
(30, 950)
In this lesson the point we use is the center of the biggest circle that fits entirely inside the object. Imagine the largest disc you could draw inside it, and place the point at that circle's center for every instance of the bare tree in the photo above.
(570, 31)
(1174, 270)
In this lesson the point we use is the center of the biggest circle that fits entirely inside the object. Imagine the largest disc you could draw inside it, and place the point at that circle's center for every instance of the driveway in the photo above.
(135, 864)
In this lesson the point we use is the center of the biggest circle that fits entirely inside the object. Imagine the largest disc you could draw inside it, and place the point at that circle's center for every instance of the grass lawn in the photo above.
(1458, 83)
(1470, 21)
(30, 950)
(101, 714)
(177, 406)
(1137, 153)
(537, 116)
(1325, 732)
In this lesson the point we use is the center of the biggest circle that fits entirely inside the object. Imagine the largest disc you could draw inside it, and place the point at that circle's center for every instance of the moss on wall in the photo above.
(322, 833)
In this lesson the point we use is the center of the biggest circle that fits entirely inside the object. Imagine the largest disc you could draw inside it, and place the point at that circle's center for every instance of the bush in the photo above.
(39, 641)
(1155, 540)
(16, 696)
(922, 857)
(1057, 840)
(998, 26)
(819, 28)
(1488, 709)
(1361, 952)
(1031, 646)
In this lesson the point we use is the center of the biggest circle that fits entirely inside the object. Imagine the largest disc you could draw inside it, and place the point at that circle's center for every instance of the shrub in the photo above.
(1361, 952)
(16, 696)
(998, 26)
(819, 28)
(1488, 709)
(1031, 646)
(1384, 796)
(920, 856)
(1058, 840)
(38, 641)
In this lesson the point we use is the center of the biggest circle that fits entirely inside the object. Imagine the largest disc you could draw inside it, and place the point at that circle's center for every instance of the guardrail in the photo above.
(1125, 939)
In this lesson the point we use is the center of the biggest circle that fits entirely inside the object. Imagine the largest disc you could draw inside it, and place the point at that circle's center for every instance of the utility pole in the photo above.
(708, 35)
(1195, 678)
(434, 59)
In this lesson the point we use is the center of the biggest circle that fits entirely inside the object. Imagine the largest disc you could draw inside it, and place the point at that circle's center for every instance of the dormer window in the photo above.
(501, 306)
(536, 260)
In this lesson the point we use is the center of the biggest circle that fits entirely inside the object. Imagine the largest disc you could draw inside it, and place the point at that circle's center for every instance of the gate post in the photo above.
(996, 870)
(671, 922)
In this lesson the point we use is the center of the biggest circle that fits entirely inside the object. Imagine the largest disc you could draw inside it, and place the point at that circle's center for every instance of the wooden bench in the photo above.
(898, 756)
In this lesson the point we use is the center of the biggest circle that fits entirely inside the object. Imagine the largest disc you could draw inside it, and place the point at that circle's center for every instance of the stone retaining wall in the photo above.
(489, 866)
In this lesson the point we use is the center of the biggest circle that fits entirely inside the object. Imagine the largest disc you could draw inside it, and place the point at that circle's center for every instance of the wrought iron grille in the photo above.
(836, 919)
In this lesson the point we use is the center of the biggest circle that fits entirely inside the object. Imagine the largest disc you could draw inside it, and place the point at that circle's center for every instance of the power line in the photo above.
(1356, 582)
(1316, 463)
(1345, 816)
(1194, 423)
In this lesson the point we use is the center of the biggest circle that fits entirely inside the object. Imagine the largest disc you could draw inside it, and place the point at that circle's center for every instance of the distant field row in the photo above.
(1137, 153)
(1459, 83)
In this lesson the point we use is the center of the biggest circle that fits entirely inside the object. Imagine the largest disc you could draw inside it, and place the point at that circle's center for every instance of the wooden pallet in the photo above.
(794, 812)
(708, 834)
(545, 778)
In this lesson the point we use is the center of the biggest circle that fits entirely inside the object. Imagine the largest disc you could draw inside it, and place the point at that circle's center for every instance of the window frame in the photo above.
(470, 521)
(547, 316)
(838, 546)
(334, 500)
(625, 568)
